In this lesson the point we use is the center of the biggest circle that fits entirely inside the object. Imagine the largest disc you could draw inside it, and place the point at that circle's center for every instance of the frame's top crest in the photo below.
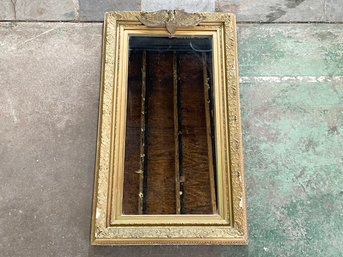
(170, 19)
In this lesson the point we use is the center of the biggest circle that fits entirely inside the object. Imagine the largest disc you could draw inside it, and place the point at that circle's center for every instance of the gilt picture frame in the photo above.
(228, 223)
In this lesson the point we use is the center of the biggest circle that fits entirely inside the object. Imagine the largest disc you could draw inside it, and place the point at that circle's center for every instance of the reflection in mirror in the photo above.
(169, 147)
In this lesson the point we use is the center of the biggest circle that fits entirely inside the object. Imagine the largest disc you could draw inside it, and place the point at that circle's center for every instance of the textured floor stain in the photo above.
(277, 11)
(289, 50)
(292, 111)
(294, 164)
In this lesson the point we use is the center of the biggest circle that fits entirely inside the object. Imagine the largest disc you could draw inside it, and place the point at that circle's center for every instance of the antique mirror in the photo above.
(169, 153)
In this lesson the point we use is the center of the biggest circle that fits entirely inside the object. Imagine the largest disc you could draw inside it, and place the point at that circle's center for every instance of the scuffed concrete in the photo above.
(39, 10)
(292, 111)
(334, 10)
(187, 5)
(251, 11)
(291, 50)
(49, 100)
(7, 10)
(293, 142)
(283, 10)
(91, 10)
(291, 99)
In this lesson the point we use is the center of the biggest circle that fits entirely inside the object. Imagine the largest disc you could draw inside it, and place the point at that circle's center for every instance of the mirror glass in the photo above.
(170, 163)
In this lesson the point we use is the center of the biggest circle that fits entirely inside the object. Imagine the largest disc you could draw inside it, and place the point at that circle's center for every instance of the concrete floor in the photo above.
(292, 112)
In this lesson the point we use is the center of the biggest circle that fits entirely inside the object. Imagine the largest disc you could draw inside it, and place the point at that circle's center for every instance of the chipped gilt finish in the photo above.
(109, 226)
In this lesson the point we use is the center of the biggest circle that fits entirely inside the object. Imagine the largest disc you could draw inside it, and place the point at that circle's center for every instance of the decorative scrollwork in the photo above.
(170, 19)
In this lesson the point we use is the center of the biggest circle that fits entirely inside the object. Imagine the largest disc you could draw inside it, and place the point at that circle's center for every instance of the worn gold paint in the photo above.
(171, 20)
(109, 226)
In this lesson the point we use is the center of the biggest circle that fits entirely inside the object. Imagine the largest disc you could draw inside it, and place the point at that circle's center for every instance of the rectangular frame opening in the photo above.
(170, 141)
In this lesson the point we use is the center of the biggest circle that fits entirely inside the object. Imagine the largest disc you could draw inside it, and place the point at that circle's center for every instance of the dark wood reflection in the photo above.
(169, 147)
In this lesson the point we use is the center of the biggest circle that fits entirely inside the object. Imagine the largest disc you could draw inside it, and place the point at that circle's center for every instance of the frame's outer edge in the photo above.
(101, 234)
(235, 129)
(104, 129)
(176, 241)
(95, 183)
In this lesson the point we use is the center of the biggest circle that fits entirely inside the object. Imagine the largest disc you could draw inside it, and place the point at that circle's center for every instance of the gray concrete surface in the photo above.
(292, 98)
(276, 10)
(39, 10)
(91, 10)
(49, 80)
(334, 10)
(251, 10)
(187, 5)
(246, 11)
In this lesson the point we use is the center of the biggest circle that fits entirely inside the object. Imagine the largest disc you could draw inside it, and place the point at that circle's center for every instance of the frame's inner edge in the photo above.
(168, 219)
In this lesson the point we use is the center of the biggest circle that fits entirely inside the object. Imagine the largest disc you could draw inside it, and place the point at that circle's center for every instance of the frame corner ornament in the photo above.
(170, 19)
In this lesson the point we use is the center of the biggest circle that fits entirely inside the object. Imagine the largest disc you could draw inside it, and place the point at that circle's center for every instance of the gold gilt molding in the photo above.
(229, 224)
(170, 19)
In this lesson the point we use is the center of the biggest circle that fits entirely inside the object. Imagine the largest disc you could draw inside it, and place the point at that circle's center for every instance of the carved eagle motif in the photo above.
(171, 20)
